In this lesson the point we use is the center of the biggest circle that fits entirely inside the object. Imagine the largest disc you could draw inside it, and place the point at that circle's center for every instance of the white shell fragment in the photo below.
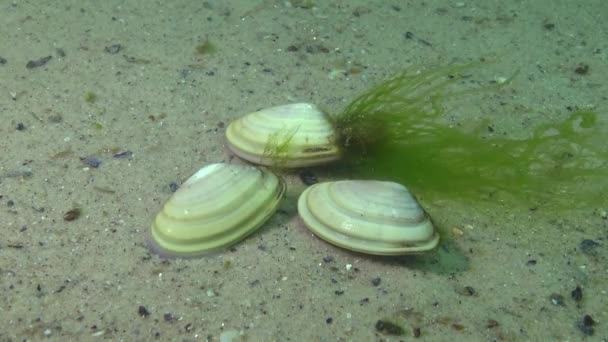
(373, 217)
(294, 135)
(216, 207)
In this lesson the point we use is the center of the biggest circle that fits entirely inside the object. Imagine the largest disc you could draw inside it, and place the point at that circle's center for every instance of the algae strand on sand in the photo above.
(394, 131)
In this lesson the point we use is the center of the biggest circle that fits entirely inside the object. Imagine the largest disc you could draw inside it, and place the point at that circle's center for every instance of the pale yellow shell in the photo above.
(371, 217)
(216, 207)
(293, 135)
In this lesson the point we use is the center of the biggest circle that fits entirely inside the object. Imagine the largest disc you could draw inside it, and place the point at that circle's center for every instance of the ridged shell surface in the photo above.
(373, 217)
(216, 207)
(305, 131)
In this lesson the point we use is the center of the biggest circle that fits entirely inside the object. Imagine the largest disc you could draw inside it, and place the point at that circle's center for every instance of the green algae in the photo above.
(277, 147)
(397, 131)
(394, 132)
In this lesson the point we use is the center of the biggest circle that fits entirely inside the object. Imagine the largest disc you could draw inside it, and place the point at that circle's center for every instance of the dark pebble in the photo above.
(588, 246)
(416, 332)
(388, 328)
(582, 69)
(466, 291)
(328, 258)
(531, 262)
(2, 60)
(492, 323)
(376, 281)
(458, 327)
(329, 320)
(113, 49)
(143, 312)
(577, 294)
(91, 161)
(38, 62)
(20, 126)
(586, 325)
(173, 186)
(308, 177)
(168, 317)
(72, 214)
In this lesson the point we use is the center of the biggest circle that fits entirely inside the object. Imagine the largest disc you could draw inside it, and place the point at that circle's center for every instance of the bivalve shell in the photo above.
(373, 217)
(294, 135)
(216, 207)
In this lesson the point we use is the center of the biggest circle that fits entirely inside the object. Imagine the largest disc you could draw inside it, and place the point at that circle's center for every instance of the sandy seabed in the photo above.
(106, 105)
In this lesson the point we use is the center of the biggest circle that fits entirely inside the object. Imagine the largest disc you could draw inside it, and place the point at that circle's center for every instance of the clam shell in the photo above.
(371, 217)
(216, 207)
(293, 135)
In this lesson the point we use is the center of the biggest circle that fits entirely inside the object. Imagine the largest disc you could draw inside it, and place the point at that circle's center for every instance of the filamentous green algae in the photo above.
(394, 132)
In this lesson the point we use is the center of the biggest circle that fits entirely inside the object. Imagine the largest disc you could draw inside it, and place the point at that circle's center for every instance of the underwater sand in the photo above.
(126, 86)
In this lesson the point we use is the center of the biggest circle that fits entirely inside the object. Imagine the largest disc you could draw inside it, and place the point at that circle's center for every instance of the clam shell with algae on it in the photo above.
(296, 135)
(218, 206)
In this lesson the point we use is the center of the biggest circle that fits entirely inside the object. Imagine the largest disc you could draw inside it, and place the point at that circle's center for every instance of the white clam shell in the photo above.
(307, 130)
(216, 207)
(373, 217)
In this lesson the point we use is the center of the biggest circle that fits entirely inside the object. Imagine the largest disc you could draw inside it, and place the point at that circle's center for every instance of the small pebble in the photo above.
(582, 69)
(466, 291)
(586, 325)
(38, 62)
(491, 323)
(123, 155)
(2, 60)
(173, 186)
(376, 281)
(91, 161)
(416, 332)
(328, 258)
(308, 177)
(577, 294)
(113, 49)
(168, 317)
(72, 214)
(20, 126)
(388, 328)
(557, 299)
(143, 312)
(588, 246)
(458, 327)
